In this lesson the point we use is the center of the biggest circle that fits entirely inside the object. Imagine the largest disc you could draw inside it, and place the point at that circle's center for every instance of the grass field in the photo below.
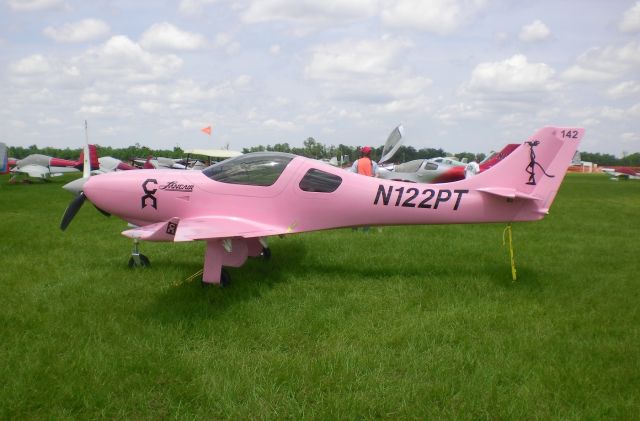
(411, 322)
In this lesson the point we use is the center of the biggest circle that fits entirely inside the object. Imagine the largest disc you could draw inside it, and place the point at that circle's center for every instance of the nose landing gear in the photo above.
(138, 259)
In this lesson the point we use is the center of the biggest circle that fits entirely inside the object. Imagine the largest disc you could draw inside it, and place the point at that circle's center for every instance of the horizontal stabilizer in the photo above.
(508, 193)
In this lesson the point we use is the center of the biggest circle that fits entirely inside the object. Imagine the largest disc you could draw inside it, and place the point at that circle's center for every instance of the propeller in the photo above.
(71, 211)
(76, 186)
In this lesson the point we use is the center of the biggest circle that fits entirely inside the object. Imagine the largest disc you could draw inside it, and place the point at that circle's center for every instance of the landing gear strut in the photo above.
(138, 259)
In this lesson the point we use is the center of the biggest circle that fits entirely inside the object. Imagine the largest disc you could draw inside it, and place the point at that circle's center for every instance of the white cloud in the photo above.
(617, 114)
(631, 19)
(439, 16)
(227, 42)
(310, 12)
(36, 5)
(193, 7)
(150, 107)
(534, 32)
(630, 137)
(347, 58)
(280, 125)
(84, 30)
(146, 90)
(581, 74)
(49, 121)
(91, 109)
(188, 91)
(122, 59)
(275, 49)
(242, 81)
(598, 63)
(165, 36)
(33, 65)
(92, 97)
(513, 75)
(624, 89)
(367, 71)
(450, 114)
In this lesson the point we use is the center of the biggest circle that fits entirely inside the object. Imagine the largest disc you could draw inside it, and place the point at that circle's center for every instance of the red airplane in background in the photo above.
(622, 173)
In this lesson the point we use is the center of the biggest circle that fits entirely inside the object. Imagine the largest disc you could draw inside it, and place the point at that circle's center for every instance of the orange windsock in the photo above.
(207, 130)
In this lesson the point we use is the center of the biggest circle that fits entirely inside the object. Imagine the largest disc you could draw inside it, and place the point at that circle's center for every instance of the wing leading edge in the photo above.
(190, 229)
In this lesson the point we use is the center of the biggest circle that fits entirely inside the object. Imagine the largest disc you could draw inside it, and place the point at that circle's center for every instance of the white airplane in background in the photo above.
(187, 163)
(44, 167)
(110, 164)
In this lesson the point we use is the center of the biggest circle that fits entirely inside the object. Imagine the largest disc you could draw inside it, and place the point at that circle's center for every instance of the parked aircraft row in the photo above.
(38, 166)
(432, 170)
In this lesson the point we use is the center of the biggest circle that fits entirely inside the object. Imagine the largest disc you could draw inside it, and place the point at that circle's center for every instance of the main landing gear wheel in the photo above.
(225, 280)
(266, 253)
(139, 260)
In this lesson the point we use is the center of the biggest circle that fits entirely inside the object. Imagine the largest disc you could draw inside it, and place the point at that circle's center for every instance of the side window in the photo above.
(431, 166)
(319, 181)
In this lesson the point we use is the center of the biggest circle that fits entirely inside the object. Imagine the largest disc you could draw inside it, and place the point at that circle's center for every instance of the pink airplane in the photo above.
(235, 204)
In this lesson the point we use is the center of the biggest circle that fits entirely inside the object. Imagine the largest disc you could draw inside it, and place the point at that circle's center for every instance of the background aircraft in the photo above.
(43, 166)
(432, 170)
(110, 164)
(622, 173)
(235, 204)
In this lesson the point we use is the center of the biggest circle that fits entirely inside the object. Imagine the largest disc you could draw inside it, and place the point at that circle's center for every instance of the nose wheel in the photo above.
(138, 259)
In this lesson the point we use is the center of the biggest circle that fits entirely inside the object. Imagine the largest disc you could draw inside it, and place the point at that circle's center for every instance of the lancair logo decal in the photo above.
(175, 186)
(148, 198)
(531, 168)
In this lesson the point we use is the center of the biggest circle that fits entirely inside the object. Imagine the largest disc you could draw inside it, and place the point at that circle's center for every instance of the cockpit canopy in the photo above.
(254, 169)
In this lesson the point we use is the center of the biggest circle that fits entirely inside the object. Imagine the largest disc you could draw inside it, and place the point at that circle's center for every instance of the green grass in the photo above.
(411, 322)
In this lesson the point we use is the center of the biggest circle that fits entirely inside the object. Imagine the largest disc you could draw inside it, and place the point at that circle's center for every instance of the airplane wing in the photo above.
(35, 171)
(190, 229)
(40, 171)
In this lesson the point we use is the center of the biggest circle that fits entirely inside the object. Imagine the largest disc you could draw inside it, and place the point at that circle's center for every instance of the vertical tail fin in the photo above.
(535, 170)
(93, 157)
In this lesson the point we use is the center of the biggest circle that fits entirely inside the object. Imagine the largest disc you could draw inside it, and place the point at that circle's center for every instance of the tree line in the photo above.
(311, 148)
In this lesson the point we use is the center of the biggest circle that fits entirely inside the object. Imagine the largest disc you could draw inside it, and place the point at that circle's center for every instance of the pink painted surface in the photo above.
(520, 187)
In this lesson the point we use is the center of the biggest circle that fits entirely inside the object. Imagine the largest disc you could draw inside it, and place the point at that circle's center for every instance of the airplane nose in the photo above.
(75, 186)
(113, 192)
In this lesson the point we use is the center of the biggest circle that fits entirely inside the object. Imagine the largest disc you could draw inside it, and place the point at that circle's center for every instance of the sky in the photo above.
(461, 75)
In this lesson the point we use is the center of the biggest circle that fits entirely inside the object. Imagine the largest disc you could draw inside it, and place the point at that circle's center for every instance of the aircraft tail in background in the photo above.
(93, 158)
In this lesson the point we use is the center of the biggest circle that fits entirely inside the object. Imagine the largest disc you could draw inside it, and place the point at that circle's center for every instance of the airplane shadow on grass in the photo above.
(256, 277)
(291, 261)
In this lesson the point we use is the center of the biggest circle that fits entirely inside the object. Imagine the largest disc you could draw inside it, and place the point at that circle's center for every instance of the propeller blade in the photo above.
(104, 212)
(71, 211)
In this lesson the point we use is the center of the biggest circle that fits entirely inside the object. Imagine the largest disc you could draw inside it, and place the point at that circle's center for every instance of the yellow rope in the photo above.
(190, 278)
(507, 233)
